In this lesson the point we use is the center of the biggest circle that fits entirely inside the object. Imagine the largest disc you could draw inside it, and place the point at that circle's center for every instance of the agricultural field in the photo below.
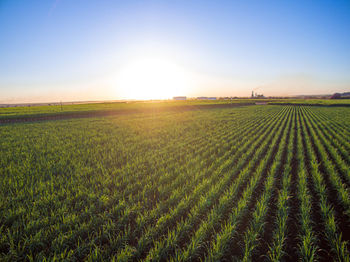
(312, 102)
(8, 112)
(247, 183)
(65, 110)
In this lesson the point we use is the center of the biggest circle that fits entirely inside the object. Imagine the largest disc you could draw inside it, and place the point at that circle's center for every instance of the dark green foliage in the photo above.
(177, 185)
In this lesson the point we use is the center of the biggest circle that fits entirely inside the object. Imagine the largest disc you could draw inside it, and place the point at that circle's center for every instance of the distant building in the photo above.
(179, 97)
(256, 95)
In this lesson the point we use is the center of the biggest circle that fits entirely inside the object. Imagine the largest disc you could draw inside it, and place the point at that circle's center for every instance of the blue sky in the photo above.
(73, 50)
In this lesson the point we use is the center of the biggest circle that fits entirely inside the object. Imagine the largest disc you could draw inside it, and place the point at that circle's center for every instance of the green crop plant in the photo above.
(276, 250)
(331, 231)
(187, 181)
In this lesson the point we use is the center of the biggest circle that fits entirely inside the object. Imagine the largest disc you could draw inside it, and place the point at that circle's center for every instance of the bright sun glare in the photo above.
(152, 78)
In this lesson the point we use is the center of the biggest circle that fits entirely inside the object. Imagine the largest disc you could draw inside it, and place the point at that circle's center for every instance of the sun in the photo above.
(152, 78)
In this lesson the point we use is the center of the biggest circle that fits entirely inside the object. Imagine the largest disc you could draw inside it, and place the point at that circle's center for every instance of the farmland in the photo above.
(248, 183)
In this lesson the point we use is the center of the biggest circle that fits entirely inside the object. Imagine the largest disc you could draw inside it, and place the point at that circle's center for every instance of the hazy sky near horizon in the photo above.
(79, 50)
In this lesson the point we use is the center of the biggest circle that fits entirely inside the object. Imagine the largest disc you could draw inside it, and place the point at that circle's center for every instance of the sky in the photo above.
(73, 50)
